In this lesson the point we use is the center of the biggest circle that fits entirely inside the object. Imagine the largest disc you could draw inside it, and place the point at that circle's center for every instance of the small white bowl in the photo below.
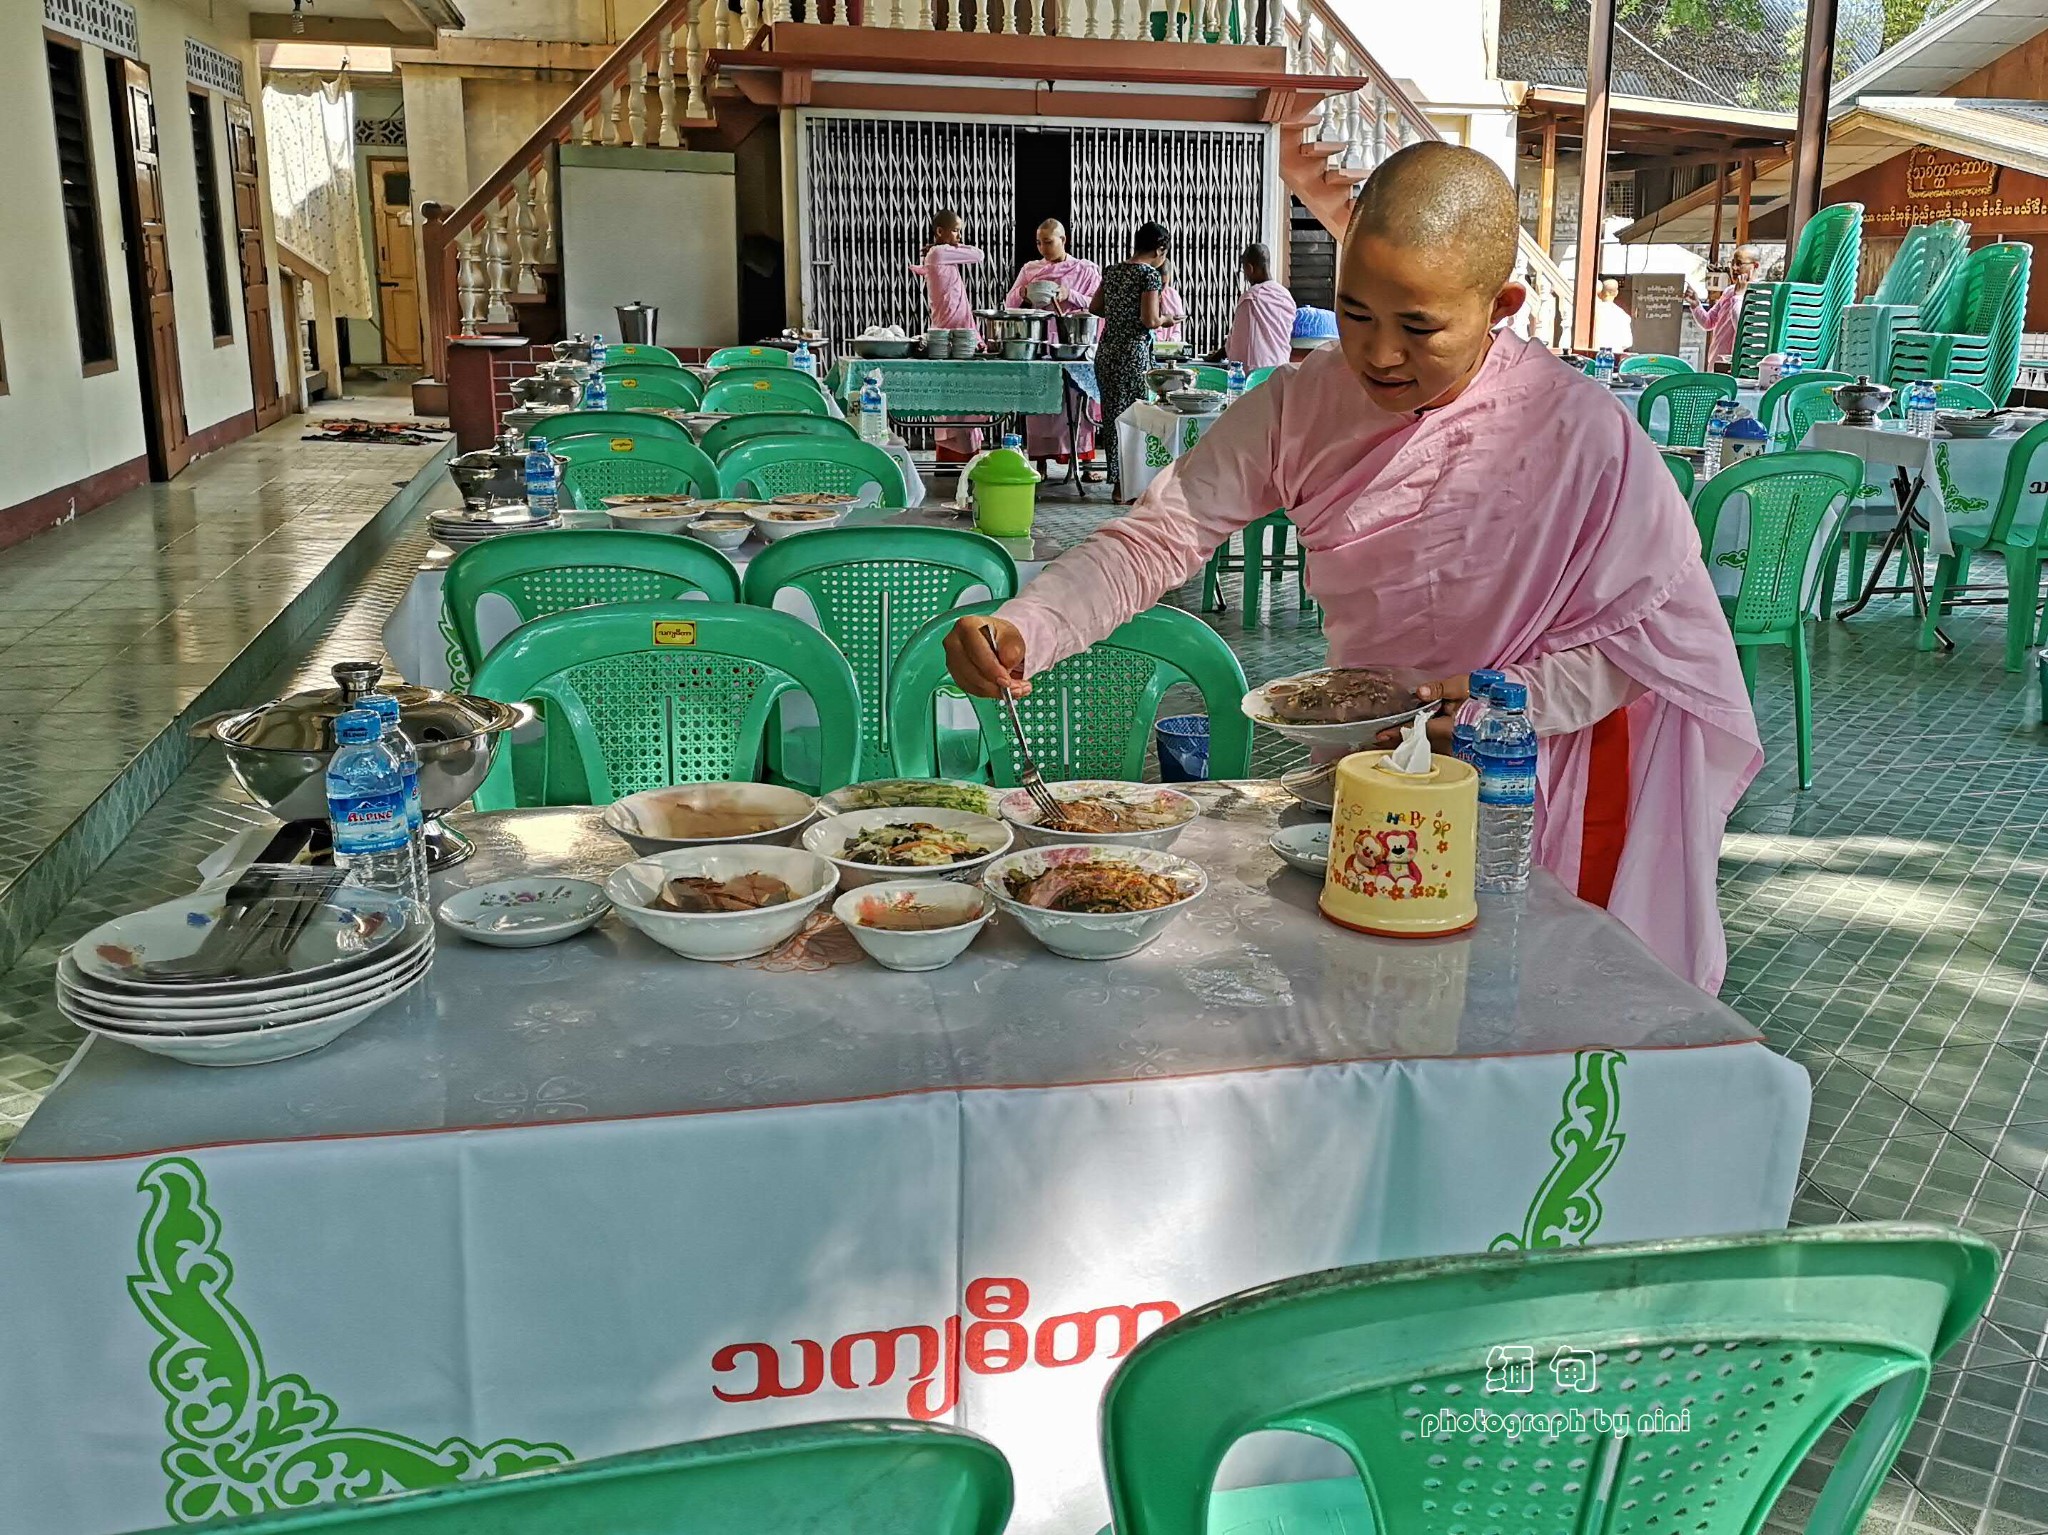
(654, 516)
(929, 948)
(877, 794)
(720, 531)
(827, 838)
(1018, 808)
(826, 500)
(526, 912)
(638, 818)
(721, 935)
(775, 523)
(1306, 848)
(1093, 935)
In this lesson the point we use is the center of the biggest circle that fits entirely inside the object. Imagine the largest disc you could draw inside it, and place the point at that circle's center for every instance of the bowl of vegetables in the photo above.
(913, 924)
(1088, 902)
(725, 903)
(907, 842)
(1105, 812)
(940, 793)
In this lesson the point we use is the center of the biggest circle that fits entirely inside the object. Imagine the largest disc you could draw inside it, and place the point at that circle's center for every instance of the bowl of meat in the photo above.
(1337, 705)
(1088, 902)
(907, 842)
(706, 814)
(1104, 812)
(721, 903)
(778, 520)
(913, 924)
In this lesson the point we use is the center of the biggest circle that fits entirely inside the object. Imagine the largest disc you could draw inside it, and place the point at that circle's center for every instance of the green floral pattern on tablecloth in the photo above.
(458, 668)
(1585, 1144)
(1156, 454)
(981, 387)
(1952, 497)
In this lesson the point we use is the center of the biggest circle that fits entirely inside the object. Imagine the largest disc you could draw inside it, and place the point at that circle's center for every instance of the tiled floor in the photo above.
(1887, 931)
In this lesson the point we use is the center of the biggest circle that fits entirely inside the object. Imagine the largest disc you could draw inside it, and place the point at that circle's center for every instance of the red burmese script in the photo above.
(992, 1339)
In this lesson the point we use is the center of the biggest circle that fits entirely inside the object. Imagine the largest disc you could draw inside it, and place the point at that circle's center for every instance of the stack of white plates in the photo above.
(459, 529)
(142, 979)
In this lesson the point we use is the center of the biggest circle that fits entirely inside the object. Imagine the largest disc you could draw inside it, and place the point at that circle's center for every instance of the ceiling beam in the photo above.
(361, 31)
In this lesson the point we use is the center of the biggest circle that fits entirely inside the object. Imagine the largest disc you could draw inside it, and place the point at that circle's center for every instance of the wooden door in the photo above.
(149, 267)
(262, 339)
(398, 284)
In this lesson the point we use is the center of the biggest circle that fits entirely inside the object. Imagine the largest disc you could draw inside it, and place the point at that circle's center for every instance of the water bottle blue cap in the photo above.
(1484, 678)
(1012, 440)
(357, 726)
(536, 444)
(1512, 695)
(383, 705)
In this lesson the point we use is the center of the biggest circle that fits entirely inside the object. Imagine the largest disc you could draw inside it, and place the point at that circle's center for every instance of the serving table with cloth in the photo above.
(1149, 437)
(987, 389)
(592, 1197)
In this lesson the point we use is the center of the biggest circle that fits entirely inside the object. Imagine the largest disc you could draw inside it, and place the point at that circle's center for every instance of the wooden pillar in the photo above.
(1809, 150)
(1745, 184)
(1720, 202)
(1593, 172)
(1546, 211)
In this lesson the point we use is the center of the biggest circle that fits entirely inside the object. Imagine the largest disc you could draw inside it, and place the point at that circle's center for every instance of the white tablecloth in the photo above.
(588, 1198)
(1962, 476)
(1149, 436)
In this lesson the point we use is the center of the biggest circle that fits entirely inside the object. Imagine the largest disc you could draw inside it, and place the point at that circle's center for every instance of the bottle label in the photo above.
(415, 814)
(1507, 780)
(368, 823)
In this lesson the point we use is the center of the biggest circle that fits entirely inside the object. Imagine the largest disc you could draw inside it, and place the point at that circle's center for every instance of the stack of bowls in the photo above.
(938, 344)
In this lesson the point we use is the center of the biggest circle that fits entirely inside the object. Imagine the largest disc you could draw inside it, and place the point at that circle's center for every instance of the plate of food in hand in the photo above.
(907, 842)
(703, 814)
(1089, 902)
(1336, 705)
(721, 903)
(1102, 811)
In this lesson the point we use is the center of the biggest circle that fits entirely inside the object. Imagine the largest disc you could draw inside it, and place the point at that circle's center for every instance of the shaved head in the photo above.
(1053, 227)
(1442, 198)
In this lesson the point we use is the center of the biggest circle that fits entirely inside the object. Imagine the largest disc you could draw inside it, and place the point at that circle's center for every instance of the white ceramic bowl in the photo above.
(928, 949)
(948, 793)
(638, 817)
(1305, 847)
(722, 935)
(1020, 811)
(152, 1017)
(829, 500)
(526, 912)
(775, 523)
(826, 839)
(1093, 935)
(654, 517)
(249, 1047)
(721, 532)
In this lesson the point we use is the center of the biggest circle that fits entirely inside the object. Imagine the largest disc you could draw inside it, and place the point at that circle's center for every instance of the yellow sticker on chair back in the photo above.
(629, 383)
(761, 384)
(670, 631)
(622, 445)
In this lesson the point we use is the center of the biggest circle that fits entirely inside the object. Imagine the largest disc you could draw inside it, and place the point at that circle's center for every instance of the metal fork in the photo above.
(1050, 815)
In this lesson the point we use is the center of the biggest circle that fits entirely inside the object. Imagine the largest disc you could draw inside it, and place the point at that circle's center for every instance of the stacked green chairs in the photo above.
(1792, 499)
(1661, 364)
(562, 426)
(1688, 399)
(874, 590)
(1263, 556)
(1769, 410)
(1089, 716)
(1682, 471)
(848, 1478)
(1695, 1376)
(1915, 283)
(722, 435)
(555, 572)
(750, 357)
(638, 695)
(788, 392)
(782, 466)
(637, 354)
(1974, 336)
(1800, 315)
(633, 466)
(652, 388)
(2018, 534)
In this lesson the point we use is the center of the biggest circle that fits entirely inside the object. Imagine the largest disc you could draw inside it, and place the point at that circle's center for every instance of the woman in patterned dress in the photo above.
(1128, 302)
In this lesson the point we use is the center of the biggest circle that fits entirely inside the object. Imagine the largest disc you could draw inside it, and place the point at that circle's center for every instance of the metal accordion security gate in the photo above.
(868, 185)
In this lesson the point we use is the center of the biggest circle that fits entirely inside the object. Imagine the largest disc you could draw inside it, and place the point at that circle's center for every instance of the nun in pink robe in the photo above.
(945, 286)
(1046, 436)
(1262, 329)
(1529, 525)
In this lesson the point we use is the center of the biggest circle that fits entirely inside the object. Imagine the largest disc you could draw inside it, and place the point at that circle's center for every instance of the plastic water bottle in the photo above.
(874, 411)
(597, 352)
(1717, 433)
(1464, 737)
(1507, 790)
(803, 361)
(1235, 387)
(386, 708)
(366, 806)
(1013, 441)
(543, 480)
(1791, 367)
(1603, 367)
(595, 395)
(1920, 405)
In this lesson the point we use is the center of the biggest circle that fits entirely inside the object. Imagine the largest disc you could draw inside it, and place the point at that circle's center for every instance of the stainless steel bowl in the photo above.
(1861, 401)
(279, 751)
(1164, 381)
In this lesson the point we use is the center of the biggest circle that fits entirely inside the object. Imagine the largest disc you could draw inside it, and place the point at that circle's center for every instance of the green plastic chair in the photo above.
(1769, 407)
(1807, 404)
(1089, 716)
(788, 392)
(1949, 394)
(1689, 399)
(1790, 496)
(608, 423)
(750, 357)
(568, 568)
(722, 435)
(1263, 555)
(636, 354)
(1661, 364)
(633, 466)
(1916, 283)
(783, 466)
(874, 589)
(1258, 376)
(1974, 337)
(1682, 471)
(639, 695)
(1209, 375)
(653, 388)
(1758, 1342)
(2015, 534)
(777, 377)
(1801, 314)
(848, 1478)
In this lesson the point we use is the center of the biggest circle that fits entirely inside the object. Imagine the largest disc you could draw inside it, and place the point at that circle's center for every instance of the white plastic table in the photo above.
(1149, 436)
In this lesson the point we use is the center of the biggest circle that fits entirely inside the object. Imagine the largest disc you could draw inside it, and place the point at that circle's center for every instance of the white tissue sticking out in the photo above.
(1412, 755)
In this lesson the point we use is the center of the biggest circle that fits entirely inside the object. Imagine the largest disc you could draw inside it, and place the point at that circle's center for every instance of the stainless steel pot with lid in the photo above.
(1000, 325)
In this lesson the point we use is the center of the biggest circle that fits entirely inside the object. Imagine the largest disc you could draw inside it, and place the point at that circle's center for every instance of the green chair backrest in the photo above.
(639, 355)
(1920, 271)
(639, 695)
(848, 1478)
(721, 435)
(656, 388)
(1830, 235)
(765, 392)
(1978, 297)
(1756, 1343)
(778, 378)
(1682, 471)
(1807, 403)
(567, 568)
(608, 423)
(2022, 512)
(633, 466)
(1767, 408)
(1689, 399)
(750, 357)
(1790, 496)
(1998, 308)
(783, 466)
(874, 589)
(1258, 376)
(1089, 716)
(1949, 394)
(1210, 376)
(1660, 363)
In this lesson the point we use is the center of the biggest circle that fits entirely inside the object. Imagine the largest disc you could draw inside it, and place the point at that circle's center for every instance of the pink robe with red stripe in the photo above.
(1528, 517)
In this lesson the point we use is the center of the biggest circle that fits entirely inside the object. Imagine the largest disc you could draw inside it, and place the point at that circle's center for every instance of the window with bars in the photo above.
(206, 168)
(82, 233)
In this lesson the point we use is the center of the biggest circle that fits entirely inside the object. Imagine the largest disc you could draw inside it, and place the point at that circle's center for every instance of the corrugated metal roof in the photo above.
(1952, 43)
(2013, 133)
